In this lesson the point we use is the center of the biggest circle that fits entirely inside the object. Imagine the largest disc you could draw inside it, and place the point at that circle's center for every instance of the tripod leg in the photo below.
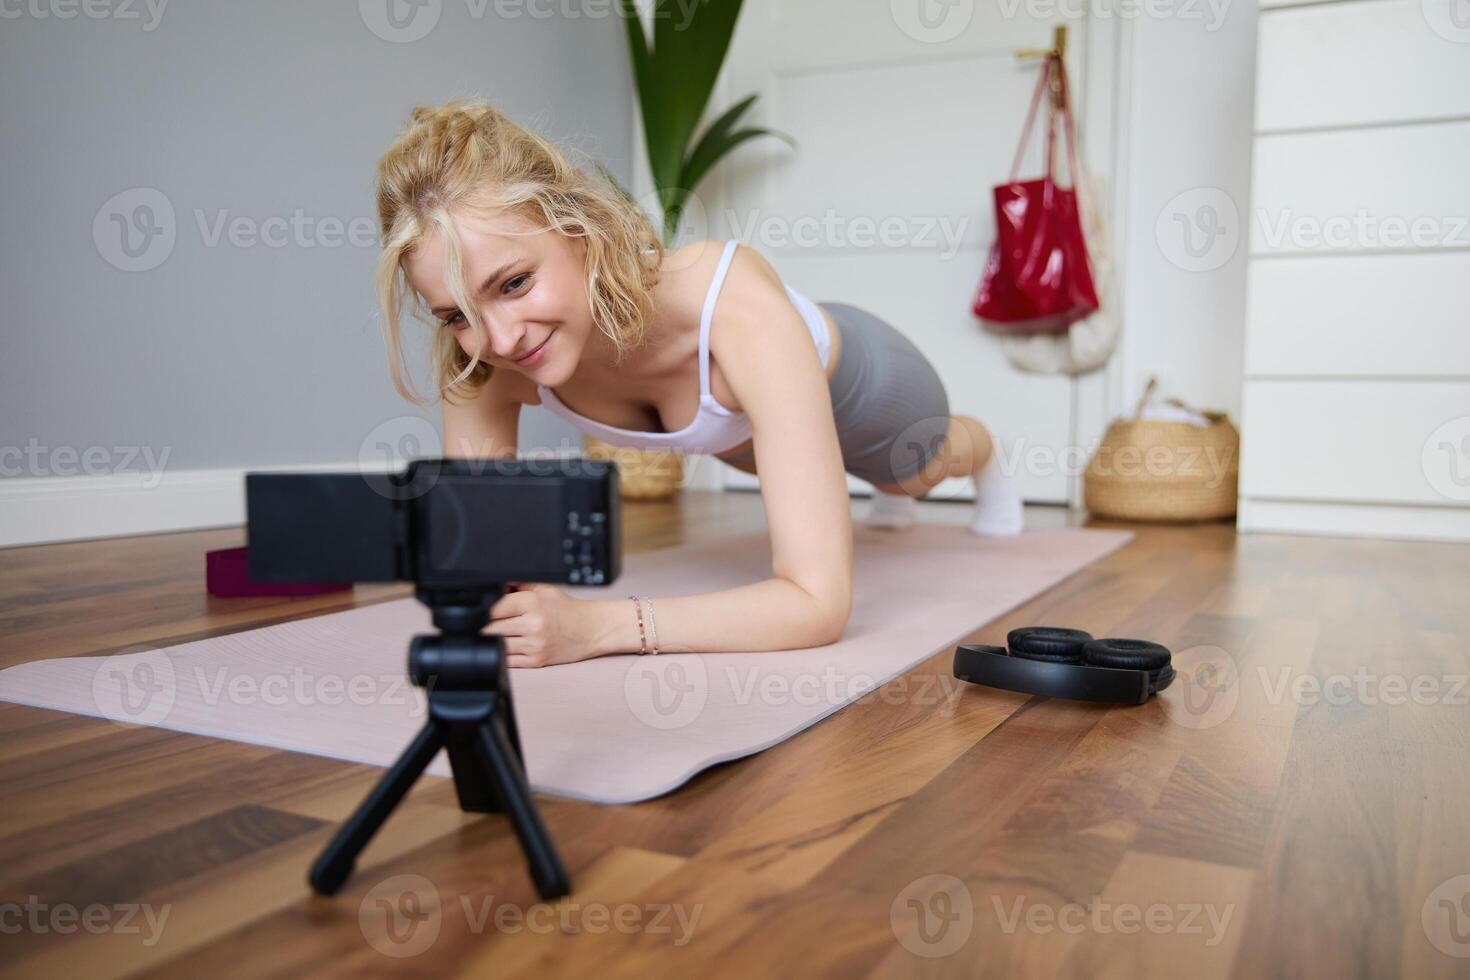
(335, 863)
(505, 768)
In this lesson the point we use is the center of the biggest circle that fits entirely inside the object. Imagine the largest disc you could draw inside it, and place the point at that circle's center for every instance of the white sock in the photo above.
(997, 501)
(891, 510)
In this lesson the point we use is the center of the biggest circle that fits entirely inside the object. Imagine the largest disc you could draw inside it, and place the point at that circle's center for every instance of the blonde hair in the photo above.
(466, 154)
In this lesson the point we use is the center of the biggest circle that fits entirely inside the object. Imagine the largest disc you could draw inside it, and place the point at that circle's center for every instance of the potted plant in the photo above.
(675, 75)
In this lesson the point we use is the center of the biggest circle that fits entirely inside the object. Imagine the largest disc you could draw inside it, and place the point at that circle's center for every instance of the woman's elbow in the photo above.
(834, 624)
(839, 626)
(825, 617)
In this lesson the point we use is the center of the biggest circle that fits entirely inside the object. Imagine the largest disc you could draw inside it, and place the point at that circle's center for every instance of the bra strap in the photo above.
(709, 310)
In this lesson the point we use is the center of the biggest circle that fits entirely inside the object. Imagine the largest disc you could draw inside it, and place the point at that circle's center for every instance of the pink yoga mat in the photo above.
(612, 730)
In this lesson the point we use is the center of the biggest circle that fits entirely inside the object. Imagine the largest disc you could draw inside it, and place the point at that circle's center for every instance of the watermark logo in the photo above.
(674, 920)
(941, 234)
(1206, 687)
(300, 230)
(35, 459)
(135, 688)
(1450, 19)
(400, 916)
(406, 21)
(1127, 918)
(932, 21)
(921, 451)
(135, 229)
(1364, 687)
(386, 450)
(1445, 459)
(831, 230)
(63, 918)
(693, 221)
(91, 9)
(400, 21)
(1199, 230)
(1211, 13)
(1360, 231)
(933, 915)
(301, 687)
(1446, 917)
(667, 691)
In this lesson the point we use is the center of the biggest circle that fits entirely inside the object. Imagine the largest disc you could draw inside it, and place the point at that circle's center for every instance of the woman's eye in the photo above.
(456, 321)
(522, 278)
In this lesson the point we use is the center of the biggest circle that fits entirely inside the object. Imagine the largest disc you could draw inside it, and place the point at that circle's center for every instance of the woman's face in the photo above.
(529, 289)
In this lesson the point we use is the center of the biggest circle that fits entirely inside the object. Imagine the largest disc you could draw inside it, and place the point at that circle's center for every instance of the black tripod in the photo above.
(471, 714)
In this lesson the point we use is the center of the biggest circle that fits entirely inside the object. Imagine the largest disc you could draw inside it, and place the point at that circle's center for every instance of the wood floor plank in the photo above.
(1291, 775)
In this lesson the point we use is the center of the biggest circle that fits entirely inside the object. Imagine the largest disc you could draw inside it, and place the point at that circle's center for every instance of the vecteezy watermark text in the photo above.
(34, 459)
(125, 10)
(406, 21)
(136, 229)
(1074, 918)
(402, 916)
(64, 918)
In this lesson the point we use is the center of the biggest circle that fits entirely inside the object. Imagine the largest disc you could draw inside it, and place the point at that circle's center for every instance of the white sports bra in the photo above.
(715, 429)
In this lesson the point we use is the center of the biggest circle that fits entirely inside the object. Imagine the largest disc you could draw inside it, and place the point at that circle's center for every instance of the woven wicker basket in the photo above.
(1154, 470)
(643, 474)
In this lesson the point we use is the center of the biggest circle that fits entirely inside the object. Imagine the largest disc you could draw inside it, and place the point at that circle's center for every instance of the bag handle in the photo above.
(1030, 119)
(1069, 130)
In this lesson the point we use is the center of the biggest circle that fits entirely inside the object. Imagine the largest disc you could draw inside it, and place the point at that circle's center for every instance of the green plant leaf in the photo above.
(689, 47)
(645, 75)
(705, 150)
(711, 151)
(675, 75)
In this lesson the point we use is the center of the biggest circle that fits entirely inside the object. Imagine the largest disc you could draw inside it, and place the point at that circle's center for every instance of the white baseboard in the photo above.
(1412, 522)
(43, 510)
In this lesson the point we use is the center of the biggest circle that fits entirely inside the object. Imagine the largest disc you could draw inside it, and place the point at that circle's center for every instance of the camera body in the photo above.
(441, 523)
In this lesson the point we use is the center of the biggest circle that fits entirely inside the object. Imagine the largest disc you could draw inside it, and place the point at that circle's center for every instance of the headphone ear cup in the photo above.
(1051, 644)
(1126, 654)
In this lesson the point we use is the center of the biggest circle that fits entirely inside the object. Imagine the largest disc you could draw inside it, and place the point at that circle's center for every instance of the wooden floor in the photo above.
(1295, 806)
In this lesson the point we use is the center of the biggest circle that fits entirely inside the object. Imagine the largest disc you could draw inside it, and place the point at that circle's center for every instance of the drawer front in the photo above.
(1359, 315)
(1370, 61)
(1371, 441)
(1398, 188)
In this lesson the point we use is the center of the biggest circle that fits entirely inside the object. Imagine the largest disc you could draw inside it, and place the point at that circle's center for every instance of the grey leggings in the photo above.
(891, 410)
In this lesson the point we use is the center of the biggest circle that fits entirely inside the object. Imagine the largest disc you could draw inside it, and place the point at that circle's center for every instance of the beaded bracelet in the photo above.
(642, 639)
(652, 626)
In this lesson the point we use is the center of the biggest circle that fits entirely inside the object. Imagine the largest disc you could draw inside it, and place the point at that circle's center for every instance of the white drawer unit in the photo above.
(1356, 410)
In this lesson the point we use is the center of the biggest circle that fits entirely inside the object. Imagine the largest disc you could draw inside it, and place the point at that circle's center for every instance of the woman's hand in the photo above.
(542, 625)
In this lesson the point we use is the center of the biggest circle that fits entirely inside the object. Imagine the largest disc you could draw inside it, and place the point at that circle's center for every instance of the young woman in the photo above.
(548, 287)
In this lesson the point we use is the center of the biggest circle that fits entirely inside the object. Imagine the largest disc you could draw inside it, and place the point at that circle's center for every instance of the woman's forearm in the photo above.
(774, 614)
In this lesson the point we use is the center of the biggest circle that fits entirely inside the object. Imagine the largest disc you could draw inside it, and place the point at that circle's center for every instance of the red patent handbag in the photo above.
(1038, 277)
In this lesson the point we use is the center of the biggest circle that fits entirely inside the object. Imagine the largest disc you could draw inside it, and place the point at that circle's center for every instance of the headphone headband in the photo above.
(993, 666)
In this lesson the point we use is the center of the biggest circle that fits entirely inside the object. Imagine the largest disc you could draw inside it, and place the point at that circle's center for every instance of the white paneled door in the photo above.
(906, 114)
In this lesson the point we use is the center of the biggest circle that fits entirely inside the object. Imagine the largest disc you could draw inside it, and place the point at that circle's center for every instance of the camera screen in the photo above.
(507, 528)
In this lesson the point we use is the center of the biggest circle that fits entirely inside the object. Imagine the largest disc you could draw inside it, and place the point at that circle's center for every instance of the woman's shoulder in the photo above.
(691, 269)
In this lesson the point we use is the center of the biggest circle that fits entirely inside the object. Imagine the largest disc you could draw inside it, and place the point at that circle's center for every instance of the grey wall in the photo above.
(230, 354)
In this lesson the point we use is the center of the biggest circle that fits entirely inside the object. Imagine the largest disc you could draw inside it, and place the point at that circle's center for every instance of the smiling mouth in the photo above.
(532, 351)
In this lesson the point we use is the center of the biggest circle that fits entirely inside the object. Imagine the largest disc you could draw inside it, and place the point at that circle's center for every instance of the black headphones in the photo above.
(1067, 663)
